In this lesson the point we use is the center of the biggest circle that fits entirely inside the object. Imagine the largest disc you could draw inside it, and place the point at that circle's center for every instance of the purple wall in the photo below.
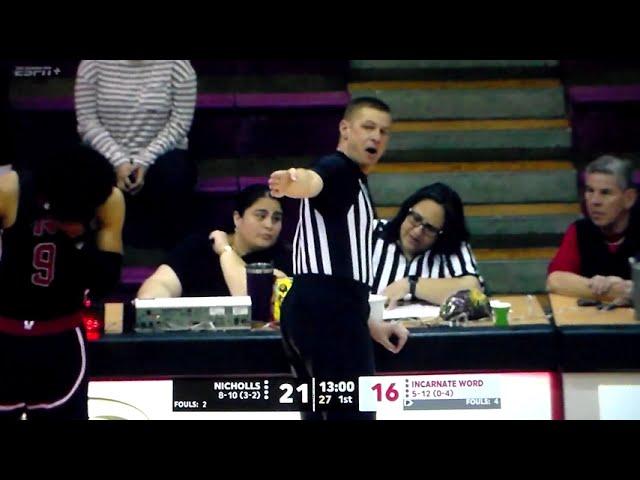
(603, 99)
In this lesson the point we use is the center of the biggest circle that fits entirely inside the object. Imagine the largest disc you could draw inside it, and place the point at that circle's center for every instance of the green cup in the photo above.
(500, 313)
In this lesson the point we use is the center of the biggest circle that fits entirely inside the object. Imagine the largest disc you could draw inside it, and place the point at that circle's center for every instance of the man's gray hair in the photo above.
(620, 168)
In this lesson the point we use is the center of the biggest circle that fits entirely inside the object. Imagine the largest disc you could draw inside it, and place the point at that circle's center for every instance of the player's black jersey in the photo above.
(41, 268)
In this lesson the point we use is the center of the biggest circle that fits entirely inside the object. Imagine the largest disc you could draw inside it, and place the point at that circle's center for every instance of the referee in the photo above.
(325, 316)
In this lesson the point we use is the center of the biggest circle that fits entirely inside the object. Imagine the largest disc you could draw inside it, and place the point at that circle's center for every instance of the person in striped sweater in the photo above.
(137, 114)
(423, 253)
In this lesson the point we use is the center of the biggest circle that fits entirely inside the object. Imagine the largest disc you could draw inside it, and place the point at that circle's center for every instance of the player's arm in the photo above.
(111, 219)
(105, 263)
(9, 193)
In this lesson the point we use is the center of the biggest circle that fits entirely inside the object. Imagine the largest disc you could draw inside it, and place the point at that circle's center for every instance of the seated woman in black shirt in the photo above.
(215, 266)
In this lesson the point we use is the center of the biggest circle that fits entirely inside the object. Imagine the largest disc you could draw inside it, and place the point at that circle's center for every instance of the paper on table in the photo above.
(412, 311)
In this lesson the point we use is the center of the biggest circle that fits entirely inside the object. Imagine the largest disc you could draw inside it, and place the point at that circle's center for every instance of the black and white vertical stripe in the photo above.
(390, 264)
(341, 246)
(135, 108)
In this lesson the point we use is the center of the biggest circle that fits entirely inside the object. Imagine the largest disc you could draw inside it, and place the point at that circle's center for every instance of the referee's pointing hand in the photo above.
(280, 180)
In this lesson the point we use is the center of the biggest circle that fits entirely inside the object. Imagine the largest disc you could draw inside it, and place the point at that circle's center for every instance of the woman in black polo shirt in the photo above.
(214, 265)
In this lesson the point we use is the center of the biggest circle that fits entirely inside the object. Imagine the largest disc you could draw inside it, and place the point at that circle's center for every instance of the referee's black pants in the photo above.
(325, 335)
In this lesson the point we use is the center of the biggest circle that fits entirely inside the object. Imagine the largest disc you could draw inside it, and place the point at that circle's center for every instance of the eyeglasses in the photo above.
(417, 220)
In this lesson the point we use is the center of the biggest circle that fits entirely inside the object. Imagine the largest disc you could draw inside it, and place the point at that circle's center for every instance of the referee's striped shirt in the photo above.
(334, 232)
(136, 109)
(390, 264)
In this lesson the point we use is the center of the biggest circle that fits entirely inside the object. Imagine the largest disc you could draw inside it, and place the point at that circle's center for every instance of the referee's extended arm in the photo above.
(295, 183)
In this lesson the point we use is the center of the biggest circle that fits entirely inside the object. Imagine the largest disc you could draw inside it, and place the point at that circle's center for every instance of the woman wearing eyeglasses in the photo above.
(423, 252)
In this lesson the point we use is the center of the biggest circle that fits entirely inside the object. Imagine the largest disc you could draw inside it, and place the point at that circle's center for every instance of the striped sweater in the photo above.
(135, 110)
